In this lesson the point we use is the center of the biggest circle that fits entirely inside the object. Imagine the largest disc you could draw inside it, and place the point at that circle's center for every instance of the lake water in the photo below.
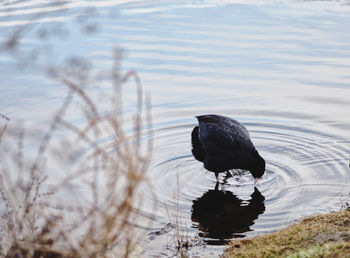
(282, 68)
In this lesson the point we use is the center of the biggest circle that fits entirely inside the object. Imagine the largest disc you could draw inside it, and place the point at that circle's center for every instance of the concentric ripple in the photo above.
(306, 174)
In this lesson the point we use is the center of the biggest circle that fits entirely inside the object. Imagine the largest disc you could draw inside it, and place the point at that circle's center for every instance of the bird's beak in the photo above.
(256, 180)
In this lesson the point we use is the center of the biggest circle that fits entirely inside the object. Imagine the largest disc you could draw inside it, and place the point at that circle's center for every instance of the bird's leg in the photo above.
(217, 176)
(228, 174)
(217, 186)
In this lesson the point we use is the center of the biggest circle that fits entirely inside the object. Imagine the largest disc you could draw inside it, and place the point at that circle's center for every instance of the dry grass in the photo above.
(319, 236)
(33, 222)
(183, 240)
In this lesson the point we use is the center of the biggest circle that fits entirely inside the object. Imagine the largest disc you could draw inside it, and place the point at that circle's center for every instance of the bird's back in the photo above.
(222, 132)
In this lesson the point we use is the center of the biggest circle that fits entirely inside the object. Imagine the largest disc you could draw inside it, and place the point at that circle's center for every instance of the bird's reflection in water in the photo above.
(221, 215)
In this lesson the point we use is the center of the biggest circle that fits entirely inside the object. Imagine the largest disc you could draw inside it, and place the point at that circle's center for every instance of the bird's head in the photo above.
(258, 168)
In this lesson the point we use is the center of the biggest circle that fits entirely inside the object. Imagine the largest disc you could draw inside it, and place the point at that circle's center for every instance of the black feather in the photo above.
(197, 150)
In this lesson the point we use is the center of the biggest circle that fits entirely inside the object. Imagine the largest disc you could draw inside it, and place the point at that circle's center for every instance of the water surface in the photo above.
(281, 68)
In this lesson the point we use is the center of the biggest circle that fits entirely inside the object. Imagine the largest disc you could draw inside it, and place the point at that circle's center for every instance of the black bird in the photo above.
(223, 143)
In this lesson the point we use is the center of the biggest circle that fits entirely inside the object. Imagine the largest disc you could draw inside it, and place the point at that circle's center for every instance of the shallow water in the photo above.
(281, 68)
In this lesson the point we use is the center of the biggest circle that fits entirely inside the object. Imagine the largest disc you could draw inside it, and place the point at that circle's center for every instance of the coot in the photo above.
(223, 143)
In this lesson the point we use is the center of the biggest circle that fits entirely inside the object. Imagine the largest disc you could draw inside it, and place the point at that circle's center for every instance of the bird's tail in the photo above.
(197, 150)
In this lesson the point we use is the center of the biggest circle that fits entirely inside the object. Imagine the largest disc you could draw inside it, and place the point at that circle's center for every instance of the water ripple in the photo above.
(305, 168)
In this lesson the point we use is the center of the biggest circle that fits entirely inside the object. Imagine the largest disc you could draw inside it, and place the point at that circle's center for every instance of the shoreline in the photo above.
(326, 235)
